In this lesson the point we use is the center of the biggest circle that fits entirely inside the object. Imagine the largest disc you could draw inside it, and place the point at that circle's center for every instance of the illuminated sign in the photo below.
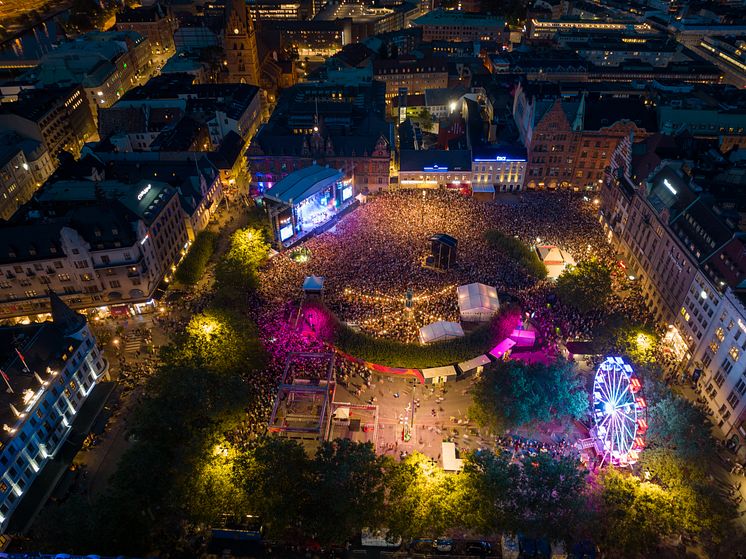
(669, 186)
(499, 158)
(144, 191)
(741, 325)
(436, 169)
(145, 238)
(346, 193)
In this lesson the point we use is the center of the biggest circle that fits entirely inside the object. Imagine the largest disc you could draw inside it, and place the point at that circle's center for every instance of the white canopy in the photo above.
(555, 259)
(439, 331)
(450, 462)
(477, 302)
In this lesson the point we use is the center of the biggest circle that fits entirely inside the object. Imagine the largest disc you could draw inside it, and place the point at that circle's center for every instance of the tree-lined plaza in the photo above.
(201, 449)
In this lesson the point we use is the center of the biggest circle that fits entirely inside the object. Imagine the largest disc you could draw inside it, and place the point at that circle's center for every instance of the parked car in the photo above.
(443, 545)
(477, 547)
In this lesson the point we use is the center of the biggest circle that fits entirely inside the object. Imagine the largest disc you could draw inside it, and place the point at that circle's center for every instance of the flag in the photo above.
(7, 380)
(23, 361)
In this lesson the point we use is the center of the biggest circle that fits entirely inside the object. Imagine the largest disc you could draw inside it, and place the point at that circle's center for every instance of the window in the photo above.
(734, 352)
(733, 399)
(115, 284)
(740, 387)
(3, 487)
(719, 379)
(720, 334)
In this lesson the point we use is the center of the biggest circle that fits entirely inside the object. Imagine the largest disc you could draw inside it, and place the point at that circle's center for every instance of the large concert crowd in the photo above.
(373, 256)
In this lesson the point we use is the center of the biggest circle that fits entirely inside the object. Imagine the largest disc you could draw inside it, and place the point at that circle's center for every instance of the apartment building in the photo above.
(155, 22)
(98, 243)
(59, 118)
(686, 248)
(49, 370)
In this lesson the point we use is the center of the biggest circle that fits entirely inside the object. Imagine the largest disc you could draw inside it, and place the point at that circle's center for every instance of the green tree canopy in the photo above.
(512, 394)
(353, 470)
(676, 424)
(518, 251)
(585, 286)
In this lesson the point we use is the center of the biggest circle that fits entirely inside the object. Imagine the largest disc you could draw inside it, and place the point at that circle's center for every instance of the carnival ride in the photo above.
(619, 412)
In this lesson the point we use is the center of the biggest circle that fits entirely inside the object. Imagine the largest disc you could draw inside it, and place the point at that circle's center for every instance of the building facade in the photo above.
(17, 183)
(415, 75)
(570, 142)
(51, 368)
(447, 25)
(155, 22)
(60, 119)
(98, 243)
(239, 42)
(690, 259)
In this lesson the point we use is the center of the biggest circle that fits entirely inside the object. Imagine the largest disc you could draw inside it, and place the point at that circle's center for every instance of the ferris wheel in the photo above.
(619, 411)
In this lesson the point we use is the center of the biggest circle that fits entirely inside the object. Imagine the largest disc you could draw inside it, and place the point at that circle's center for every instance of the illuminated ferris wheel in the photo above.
(619, 411)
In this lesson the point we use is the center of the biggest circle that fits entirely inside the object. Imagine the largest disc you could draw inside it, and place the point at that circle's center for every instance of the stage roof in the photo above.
(313, 283)
(303, 184)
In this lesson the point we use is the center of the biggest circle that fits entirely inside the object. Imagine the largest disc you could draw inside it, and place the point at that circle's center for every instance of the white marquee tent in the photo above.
(477, 302)
(555, 259)
(440, 331)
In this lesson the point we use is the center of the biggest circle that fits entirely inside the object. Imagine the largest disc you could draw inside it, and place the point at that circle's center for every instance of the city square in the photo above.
(395, 279)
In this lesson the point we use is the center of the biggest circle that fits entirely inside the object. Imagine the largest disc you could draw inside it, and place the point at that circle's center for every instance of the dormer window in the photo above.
(114, 231)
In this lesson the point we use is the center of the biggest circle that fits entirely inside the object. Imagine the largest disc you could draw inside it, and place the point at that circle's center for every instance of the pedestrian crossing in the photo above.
(132, 345)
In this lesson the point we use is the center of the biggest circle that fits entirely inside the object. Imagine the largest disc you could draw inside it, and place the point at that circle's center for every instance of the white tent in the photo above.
(450, 462)
(555, 259)
(477, 302)
(439, 331)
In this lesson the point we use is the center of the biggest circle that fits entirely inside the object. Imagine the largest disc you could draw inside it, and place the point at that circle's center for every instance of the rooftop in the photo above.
(44, 348)
(302, 184)
(435, 160)
(442, 17)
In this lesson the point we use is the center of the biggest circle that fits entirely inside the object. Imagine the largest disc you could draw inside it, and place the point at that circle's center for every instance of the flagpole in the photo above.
(7, 381)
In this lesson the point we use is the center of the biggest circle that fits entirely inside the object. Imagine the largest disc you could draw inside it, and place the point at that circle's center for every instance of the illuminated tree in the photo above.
(585, 286)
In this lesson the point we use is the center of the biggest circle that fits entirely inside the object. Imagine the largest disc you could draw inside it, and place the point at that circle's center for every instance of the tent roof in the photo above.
(445, 239)
(313, 283)
(450, 462)
(500, 349)
(447, 371)
(477, 296)
(474, 363)
(440, 330)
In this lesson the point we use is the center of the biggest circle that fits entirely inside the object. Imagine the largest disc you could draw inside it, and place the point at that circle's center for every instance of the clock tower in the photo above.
(241, 56)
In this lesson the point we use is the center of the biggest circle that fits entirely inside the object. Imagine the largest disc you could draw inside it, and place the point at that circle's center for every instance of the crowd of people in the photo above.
(375, 255)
